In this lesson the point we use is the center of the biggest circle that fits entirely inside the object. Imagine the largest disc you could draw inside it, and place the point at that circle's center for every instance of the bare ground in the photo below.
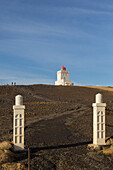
(58, 125)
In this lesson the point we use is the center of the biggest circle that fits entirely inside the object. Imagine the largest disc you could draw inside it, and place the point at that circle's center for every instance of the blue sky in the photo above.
(37, 37)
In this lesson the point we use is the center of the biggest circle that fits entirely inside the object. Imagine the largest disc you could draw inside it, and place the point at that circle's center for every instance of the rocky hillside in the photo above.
(58, 125)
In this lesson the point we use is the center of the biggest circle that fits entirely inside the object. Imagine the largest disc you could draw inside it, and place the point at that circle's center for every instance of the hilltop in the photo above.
(58, 125)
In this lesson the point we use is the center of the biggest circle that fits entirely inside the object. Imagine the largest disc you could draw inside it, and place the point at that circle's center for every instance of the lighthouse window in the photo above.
(15, 122)
(97, 134)
(20, 115)
(15, 139)
(20, 139)
(16, 116)
(101, 126)
(101, 118)
(101, 134)
(20, 131)
(97, 126)
(20, 122)
(15, 131)
(97, 118)
(102, 113)
(98, 113)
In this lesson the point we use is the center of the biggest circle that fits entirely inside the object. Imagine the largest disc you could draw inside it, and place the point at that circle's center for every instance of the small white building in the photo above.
(63, 77)
(99, 121)
(18, 123)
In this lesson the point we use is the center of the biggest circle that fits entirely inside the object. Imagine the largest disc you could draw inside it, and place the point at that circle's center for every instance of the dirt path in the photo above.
(61, 143)
(58, 125)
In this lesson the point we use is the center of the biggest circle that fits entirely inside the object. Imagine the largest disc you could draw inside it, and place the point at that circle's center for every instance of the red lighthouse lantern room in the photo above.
(63, 68)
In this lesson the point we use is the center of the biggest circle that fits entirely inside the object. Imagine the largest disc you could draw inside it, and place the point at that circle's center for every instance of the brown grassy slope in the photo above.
(47, 99)
(56, 116)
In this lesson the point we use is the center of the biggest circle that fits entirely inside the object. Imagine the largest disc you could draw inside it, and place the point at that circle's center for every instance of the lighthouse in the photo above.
(63, 77)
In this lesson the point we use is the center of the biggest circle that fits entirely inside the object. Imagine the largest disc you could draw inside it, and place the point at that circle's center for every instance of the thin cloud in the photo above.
(38, 37)
(20, 77)
(41, 33)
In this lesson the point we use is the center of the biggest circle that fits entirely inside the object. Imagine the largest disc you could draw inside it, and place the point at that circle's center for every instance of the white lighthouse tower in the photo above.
(99, 121)
(18, 123)
(63, 77)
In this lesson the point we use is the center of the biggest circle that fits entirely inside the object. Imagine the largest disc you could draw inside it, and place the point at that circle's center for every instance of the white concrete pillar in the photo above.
(99, 121)
(18, 123)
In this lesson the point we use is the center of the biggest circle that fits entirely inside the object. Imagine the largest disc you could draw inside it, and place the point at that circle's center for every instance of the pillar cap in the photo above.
(99, 98)
(18, 100)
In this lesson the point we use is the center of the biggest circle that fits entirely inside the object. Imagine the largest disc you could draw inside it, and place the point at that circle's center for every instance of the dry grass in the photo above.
(101, 88)
(6, 155)
(13, 166)
(5, 145)
(108, 151)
